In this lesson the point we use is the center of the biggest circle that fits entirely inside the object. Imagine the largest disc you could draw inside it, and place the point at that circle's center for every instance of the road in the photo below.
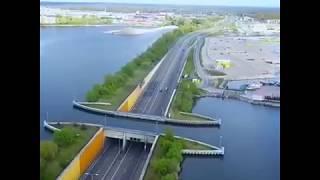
(115, 165)
(153, 101)
(206, 79)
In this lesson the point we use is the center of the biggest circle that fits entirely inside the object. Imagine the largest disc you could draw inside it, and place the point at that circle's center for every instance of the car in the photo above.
(166, 89)
(160, 90)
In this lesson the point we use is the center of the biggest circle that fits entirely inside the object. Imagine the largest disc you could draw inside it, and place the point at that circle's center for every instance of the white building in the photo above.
(47, 19)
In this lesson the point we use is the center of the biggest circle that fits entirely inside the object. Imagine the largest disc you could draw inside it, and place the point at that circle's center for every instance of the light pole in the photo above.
(89, 174)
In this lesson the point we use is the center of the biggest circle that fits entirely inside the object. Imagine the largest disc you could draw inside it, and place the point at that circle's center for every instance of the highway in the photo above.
(113, 164)
(153, 101)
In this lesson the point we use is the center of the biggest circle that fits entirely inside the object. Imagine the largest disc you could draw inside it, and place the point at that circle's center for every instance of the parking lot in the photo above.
(250, 57)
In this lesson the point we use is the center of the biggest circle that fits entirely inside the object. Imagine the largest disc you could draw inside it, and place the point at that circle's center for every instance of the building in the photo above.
(47, 19)
(223, 63)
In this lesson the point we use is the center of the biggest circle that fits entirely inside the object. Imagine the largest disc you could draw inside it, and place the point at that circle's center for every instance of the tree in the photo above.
(165, 145)
(171, 176)
(168, 134)
(48, 150)
(174, 152)
(65, 137)
(161, 167)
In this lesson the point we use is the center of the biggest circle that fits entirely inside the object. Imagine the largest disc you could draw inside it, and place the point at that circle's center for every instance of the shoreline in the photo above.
(244, 99)
(78, 25)
(97, 25)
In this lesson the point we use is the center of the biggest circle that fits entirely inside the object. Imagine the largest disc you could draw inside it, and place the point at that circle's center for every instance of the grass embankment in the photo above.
(167, 157)
(84, 20)
(118, 86)
(56, 154)
(186, 93)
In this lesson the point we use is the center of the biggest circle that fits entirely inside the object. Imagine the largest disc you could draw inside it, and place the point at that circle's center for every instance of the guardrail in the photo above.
(203, 152)
(148, 159)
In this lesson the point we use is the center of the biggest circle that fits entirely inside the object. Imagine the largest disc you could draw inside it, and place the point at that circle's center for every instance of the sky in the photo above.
(254, 3)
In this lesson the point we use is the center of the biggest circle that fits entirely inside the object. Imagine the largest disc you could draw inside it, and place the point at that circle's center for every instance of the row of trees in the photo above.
(168, 166)
(49, 150)
(187, 90)
(145, 60)
(185, 97)
(85, 19)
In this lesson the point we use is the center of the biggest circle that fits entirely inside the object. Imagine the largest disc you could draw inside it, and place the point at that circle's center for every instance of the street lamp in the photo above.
(89, 174)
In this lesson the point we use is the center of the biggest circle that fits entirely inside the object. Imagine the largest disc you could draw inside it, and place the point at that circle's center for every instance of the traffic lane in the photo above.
(137, 173)
(168, 63)
(144, 102)
(171, 82)
(107, 149)
(129, 165)
(103, 162)
(110, 173)
(157, 79)
(166, 75)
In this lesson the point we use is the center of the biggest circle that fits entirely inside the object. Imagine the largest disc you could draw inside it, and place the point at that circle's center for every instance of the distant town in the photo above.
(63, 16)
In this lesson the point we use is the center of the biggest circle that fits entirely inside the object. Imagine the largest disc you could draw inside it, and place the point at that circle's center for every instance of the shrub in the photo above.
(65, 137)
(48, 150)
(83, 127)
(171, 176)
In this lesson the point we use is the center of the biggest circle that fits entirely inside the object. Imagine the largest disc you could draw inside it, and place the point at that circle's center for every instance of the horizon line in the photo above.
(91, 2)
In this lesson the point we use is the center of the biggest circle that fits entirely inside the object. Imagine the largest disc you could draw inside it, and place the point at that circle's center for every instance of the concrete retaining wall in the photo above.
(199, 142)
(146, 164)
(95, 103)
(198, 115)
(131, 100)
(84, 158)
(203, 152)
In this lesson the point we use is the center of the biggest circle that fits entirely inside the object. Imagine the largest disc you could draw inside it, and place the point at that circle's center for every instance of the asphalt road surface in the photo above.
(157, 94)
(113, 164)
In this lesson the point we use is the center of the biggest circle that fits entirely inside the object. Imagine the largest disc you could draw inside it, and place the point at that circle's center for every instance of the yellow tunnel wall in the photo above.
(84, 159)
(73, 172)
(131, 100)
(92, 150)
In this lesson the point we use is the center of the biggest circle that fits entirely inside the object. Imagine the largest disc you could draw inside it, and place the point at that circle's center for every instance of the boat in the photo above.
(254, 86)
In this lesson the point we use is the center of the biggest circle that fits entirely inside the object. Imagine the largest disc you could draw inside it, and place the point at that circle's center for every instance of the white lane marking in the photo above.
(166, 75)
(107, 171)
(95, 162)
(121, 162)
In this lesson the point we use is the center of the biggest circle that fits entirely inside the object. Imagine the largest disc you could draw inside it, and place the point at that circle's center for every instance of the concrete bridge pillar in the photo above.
(124, 142)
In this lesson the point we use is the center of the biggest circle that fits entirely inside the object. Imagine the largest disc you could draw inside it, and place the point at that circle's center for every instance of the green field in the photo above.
(50, 169)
